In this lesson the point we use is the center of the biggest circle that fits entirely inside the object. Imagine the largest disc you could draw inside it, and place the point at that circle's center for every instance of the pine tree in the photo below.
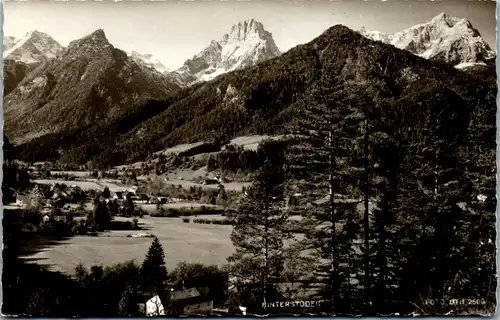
(153, 271)
(258, 233)
(434, 185)
(318, 169)
(100, 216)
(106, 193)
(385, 228)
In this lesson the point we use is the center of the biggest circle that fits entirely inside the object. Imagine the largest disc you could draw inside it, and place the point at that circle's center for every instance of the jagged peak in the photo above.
(36, 33)
(245, 28)
(441, 16)
(450, 21)
(250, 23)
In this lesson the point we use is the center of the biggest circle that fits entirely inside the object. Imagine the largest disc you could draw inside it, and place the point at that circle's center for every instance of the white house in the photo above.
(19, 202)
(188, 301)
(154, 307)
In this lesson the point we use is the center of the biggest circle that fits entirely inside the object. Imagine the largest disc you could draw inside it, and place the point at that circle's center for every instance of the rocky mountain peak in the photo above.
(97, 38)
(246, 44)
(9, 42)
(444, 38)
(35, 34)
(245, 29)
(90, 45)
(34, 47)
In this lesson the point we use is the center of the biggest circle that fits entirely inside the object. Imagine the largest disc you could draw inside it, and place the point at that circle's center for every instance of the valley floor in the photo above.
(189, 242)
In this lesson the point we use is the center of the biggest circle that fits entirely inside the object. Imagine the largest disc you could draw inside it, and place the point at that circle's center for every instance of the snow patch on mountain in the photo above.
(34, 47)
(9, 42)
(149, 60)
(444, 38)
(246, 44)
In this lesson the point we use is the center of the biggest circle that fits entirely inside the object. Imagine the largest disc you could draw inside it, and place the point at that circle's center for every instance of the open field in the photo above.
(111, 184)
(177, 205)
(81, 174)
(86, 185)
(179, 148)
(208, 244)
(234, 186)
(250, 142)
(185, 177)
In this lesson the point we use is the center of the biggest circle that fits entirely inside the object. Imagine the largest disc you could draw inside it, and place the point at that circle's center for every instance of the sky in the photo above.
(174, 31)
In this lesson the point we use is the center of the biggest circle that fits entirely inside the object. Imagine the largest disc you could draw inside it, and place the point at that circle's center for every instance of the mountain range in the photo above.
(444, 38)
(94, 102)
(88, 82)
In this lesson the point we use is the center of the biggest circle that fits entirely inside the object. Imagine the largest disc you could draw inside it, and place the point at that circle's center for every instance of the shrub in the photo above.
(186, 220)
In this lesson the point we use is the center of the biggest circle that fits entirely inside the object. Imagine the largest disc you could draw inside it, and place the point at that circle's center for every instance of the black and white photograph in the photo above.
(249, 158)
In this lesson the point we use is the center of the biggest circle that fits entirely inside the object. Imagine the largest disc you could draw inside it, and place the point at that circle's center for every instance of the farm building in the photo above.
(158, 200)
(209, 181)
(117, 195)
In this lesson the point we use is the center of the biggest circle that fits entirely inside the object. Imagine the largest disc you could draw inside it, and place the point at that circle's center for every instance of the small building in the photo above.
(153, 200)
(23, 201)
(209, 181)
(60, 218)
(133, 190)
(19, 202)
(163, 200)
(117, 195)
(190, 301)
(154, 307)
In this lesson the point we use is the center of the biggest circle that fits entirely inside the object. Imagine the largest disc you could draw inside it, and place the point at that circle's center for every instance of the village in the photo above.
(61, 195)
(62, 202)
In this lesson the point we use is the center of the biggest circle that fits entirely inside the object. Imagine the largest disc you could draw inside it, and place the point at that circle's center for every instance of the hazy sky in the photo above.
(174, 31)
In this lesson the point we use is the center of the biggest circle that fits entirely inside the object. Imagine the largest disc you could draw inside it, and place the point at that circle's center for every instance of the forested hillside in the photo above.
(89, 83)
(262, 99)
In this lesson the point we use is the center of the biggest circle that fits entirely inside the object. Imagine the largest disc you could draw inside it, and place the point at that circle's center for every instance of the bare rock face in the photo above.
(246, 44)
(444, 38)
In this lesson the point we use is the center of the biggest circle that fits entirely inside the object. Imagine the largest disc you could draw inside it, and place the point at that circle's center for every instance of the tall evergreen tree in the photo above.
(318, 170)
(153, 271)
(100, 216)
(258, 233)
(385, 235)
(434, 185)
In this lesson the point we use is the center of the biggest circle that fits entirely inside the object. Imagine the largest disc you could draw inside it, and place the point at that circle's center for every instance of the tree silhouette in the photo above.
(153, 271)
